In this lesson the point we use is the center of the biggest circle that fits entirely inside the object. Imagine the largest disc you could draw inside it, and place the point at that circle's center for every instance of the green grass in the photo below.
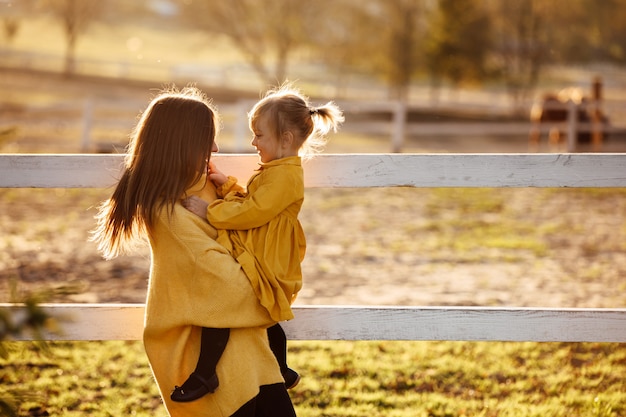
(346, 379)
(470, 220)
(77, 379)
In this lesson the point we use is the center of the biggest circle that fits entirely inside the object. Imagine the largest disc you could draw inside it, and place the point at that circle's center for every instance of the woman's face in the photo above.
(214, 148)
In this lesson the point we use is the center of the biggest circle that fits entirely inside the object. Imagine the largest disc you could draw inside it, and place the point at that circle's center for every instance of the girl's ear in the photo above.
(287, 139)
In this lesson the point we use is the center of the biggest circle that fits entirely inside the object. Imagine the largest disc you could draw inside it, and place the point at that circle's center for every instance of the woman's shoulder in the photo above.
(185, 229)
(204, 189)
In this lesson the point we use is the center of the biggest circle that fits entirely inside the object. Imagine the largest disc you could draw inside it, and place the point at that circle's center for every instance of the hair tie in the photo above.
(312, 111)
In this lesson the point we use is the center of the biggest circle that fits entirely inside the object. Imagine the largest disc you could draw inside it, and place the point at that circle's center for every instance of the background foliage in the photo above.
(458, 42)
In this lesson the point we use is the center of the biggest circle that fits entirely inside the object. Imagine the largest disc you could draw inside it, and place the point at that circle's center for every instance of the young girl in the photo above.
(259, 226)
(194, 282)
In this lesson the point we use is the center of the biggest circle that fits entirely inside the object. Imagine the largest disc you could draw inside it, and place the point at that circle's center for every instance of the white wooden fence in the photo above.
(95, 125)
(125, 321)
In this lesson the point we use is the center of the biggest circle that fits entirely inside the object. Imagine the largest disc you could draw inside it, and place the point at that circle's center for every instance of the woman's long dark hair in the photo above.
(168, 152)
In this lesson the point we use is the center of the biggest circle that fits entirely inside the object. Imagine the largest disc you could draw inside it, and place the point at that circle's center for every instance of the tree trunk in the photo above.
(70, 55)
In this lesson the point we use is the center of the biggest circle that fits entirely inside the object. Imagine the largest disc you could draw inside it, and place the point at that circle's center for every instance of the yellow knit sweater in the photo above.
(195, 282)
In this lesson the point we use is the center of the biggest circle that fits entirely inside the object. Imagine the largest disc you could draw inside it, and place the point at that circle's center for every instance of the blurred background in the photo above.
(411, 75)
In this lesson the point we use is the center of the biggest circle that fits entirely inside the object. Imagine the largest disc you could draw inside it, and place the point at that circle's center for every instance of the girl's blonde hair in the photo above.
(288, 110)
(167, 153)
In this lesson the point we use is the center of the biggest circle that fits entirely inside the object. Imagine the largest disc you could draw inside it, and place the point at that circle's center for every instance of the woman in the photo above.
(194, 281)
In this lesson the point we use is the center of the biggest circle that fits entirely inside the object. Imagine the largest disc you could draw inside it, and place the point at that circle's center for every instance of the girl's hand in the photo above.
(216, 176)
(196, 205)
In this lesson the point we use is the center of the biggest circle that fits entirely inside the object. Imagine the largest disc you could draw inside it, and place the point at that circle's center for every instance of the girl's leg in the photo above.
(278, 344)
(212, 345)
(204, 379)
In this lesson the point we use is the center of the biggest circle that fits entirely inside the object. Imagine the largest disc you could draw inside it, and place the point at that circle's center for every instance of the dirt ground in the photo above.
(357, 253)
(373, 247)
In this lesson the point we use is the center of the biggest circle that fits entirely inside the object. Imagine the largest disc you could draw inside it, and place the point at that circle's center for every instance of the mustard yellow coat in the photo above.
(195, 282)
(260, 228)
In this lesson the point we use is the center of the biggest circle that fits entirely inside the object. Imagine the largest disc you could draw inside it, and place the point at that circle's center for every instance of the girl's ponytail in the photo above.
(325, 118)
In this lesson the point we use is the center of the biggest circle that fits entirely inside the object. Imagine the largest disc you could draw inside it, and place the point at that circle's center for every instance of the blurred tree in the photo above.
(10, 24)
(266, 33)
(468, 41)
(532, 34)
(606, 29)
(565, 31)
(377, 37)
(12, 13)
(402, 59)
(75, 17)
(524, 41)
(458, 42)
(341, 43)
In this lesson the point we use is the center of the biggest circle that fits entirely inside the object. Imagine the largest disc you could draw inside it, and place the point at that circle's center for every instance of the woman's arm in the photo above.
(199, 278)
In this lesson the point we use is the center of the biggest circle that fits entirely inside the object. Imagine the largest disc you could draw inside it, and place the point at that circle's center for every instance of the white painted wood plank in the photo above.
(457, 323)
(468, 170)
(350, 170)
(86, 321)
(86, 170)
(125, 322)
(59, 170)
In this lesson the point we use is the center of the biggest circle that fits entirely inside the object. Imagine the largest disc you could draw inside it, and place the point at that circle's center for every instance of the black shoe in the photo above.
(200, 386)
(291, 377)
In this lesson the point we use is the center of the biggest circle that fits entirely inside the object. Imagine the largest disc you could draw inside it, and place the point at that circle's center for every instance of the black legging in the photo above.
(278, 344)
(213, 342)
(272, 401)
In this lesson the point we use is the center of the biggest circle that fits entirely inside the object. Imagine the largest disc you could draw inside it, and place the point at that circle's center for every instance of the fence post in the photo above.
(572, 129)
(87, 124)
(597, 131)
(399, 126)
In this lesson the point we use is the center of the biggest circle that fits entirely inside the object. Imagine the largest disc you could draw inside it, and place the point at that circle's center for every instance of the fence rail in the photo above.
(96, 124)
(353, 170)
(125, 321)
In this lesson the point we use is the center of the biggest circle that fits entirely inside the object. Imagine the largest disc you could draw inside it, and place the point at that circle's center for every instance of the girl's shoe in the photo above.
(291, 377)
(201, 387)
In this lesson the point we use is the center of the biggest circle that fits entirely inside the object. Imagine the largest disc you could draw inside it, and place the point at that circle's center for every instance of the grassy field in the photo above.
(345, 379)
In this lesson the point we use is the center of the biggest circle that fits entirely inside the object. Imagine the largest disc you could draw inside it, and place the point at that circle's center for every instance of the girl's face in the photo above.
(267, 145)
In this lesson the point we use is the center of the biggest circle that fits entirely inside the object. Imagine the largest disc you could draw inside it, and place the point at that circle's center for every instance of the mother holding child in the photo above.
(208, 314)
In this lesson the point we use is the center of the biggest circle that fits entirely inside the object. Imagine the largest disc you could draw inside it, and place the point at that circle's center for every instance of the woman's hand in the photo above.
(196, 205)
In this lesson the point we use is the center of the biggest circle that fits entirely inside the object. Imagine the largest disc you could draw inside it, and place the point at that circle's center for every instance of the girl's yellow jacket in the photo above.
(195, 282)
(260, 228)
